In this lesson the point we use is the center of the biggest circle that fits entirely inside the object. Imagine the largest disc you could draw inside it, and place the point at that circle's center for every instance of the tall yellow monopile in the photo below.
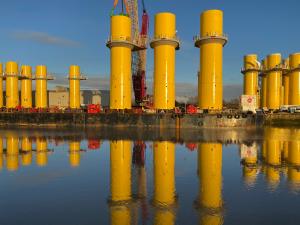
(41, 95)
(250, 71)
(211, 42)
(165, 43)
(294, 92)
(1, 86)
(26, 87)
(12, 85)
(74, 79)
(120, 45)
(286, 81)
(274, 77)
(264, 86)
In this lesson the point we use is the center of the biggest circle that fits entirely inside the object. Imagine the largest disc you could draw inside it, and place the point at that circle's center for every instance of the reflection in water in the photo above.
(164, 182)
(1, 153)
(120, 182)
(294, 160)
(41, 151)
(139, 182)
(12, 152)
(210, 189)
(26, 150)
(273, 156)
(74, 153)
(250, 163)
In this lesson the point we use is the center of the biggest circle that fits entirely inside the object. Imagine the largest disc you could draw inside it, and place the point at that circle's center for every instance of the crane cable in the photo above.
(124, 2)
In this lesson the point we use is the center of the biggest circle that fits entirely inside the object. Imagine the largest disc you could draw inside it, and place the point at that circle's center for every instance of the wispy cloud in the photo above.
(43, 38)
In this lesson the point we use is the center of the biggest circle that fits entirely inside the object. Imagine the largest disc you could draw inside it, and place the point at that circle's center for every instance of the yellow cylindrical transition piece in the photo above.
(164, 43)
(274, 78)
(120, 62)
(74, 79)
(250, 71)
(1, 86)
(26, 86)
(211, 42)
(120, 170)
(294, 92)
(286, 81)
(74, 155)
(264, 86)
(12, 85)
(41, 99)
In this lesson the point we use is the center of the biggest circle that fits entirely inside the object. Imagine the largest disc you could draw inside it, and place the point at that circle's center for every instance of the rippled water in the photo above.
(142, 177)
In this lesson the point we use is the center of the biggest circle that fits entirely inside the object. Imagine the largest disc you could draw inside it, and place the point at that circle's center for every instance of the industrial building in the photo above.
(59, 97)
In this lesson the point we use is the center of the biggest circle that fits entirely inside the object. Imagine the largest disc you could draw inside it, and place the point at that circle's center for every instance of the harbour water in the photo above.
(121, 177)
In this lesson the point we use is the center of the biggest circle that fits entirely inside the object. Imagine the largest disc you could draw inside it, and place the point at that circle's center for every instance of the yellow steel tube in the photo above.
(26, 87)
(285, 81)
(210, 86)
(120, 170)
(41, 152)
(274, 81)
(251, 69)
(74, 79)
(164, 172)
(210, 174)
(164, 61)
(12, 86)
(120, 63)
(263, 97)
(1, 85)
(74, 156)
(41, 99)
(12, 154)
(294, 92)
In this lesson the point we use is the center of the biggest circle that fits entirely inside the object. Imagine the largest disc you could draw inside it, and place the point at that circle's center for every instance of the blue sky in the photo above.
(63, 32)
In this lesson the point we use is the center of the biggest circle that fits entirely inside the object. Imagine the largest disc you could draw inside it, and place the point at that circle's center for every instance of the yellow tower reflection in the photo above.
(273, 155)
(294, 161)
(210, 188)
(164, 182)
(26, 147)
(74, 153)
(1, 150)
(12, 152)
(120, 182)
(41, 151)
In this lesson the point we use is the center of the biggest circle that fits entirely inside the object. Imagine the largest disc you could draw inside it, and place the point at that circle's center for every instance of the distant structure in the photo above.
(59, 97)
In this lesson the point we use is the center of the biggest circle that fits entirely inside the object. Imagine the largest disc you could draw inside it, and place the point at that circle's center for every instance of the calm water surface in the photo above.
(232, 177)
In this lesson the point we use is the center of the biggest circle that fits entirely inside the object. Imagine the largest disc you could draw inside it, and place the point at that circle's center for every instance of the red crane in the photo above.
(138, 57)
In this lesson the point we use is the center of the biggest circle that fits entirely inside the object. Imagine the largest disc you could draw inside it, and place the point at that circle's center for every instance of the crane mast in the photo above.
(139, 57)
